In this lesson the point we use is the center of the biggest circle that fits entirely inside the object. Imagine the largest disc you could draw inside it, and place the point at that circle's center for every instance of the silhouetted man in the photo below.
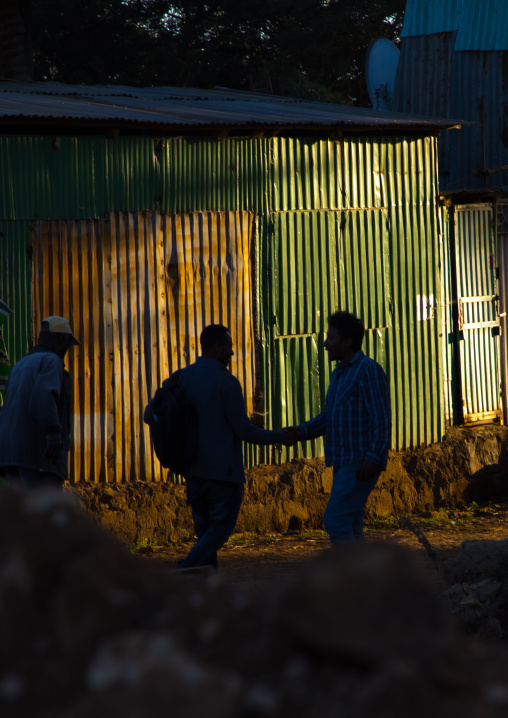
(357, 423)
(216, 476)
(35, 417)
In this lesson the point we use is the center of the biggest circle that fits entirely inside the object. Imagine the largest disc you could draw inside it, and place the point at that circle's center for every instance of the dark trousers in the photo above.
(215, 506)
(343, 517)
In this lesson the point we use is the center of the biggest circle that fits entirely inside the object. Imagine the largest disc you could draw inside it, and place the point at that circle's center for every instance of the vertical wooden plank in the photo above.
(117, 336)
(96, 350)
(107, 352)
(146, 325)
(80, 299)
(159, 347)
(134, 281)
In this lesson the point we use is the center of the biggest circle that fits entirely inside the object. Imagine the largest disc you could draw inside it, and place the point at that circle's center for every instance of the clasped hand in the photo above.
(292, 434)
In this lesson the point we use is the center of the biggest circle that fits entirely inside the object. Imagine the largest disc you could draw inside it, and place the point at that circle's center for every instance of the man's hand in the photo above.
(54, 445)
(367, 471)
(292, 434)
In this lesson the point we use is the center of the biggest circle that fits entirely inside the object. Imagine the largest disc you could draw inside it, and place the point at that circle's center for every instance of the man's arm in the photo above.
(314, 427)
(234, 406)
(377, 400)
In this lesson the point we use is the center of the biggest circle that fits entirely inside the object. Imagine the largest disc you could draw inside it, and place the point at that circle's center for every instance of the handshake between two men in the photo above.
(292, 434)
(215, 477)
(365, 471)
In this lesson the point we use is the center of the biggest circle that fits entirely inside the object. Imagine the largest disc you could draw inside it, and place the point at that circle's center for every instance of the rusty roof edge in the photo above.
(32, 101)
(267, 127)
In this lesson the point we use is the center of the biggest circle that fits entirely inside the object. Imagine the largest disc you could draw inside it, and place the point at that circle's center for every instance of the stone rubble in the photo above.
(90, 630)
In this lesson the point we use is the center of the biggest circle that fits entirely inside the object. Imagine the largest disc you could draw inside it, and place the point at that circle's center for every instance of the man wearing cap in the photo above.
(35, 417)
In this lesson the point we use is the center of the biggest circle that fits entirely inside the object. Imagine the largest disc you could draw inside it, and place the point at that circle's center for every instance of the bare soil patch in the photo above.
(468, 465)
(250, 560)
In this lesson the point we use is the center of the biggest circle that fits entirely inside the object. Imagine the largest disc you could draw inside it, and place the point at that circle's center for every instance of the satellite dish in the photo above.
(380, 69)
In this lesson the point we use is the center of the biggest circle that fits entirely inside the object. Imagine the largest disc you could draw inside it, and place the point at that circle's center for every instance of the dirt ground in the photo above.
(250, 561)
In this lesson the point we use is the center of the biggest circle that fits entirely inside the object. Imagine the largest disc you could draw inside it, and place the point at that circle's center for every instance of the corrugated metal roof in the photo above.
(184, 108)
(479, 24)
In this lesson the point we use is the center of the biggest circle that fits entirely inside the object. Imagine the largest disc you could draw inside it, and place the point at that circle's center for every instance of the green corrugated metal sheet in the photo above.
(301, 376)
(196, 176)
(303, 281)
(77, 178)
(86, 177)
(364, 267)
(16, 286)
(43, 177)
(304, 252)
(413, 352)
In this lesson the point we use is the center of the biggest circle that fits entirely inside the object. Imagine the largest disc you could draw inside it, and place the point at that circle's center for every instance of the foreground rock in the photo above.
(90, 630)
(478, 595)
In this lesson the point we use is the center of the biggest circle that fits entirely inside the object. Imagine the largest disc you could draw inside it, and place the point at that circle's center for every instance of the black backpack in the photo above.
(173, 423)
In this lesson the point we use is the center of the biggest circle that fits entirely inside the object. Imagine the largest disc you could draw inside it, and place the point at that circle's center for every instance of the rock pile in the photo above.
(89, 630)
(478, 595)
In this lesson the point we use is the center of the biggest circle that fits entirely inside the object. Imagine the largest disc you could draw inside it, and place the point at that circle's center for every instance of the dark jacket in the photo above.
(37, 402)
(223, 422)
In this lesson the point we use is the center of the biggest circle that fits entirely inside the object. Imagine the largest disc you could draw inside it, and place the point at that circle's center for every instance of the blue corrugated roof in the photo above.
(184, 108)
(479, 24)
(426, 17)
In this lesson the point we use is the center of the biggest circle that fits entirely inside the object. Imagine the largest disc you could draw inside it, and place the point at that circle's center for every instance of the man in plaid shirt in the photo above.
(357, 423)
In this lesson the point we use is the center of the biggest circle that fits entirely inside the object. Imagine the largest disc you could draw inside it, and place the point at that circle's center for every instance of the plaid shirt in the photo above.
(357, 415)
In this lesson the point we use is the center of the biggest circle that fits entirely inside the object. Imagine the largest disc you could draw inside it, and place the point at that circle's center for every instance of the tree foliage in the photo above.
(314, 49)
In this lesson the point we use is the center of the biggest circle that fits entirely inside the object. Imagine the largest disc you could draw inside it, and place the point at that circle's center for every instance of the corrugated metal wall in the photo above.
(502, 247)
(470, 315)
(449, 319)
(480, 24)
(477, 295)
(435, 80)
(381, 262)
(16, 286)
(139, 288)
(346, 224)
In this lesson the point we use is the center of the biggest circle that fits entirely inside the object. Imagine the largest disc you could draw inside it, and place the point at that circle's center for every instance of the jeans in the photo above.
(343, 517)
(215, 506)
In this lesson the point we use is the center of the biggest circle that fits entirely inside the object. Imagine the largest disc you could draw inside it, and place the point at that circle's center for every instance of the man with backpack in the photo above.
(214, 471)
